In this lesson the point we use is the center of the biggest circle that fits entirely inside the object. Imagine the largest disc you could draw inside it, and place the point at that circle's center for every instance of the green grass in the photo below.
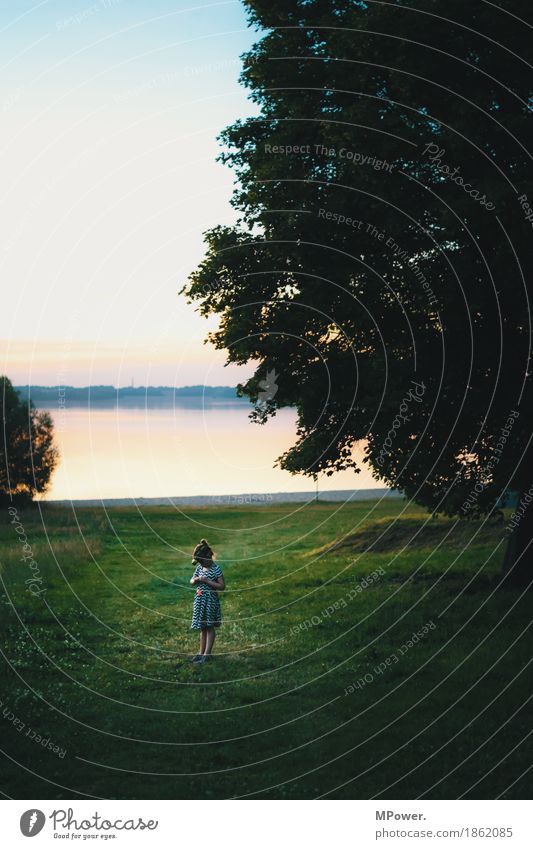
(97, 663)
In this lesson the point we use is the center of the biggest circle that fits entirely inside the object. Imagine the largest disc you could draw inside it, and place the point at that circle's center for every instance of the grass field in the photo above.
(315, 689)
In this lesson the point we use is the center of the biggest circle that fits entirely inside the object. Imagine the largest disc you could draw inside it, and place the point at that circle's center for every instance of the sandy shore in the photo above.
(256, 499)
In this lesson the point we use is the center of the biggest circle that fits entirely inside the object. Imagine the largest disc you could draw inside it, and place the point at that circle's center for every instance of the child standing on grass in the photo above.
(206, 613)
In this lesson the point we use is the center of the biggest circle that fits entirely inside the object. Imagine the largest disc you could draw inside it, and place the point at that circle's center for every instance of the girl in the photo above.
(206, 613)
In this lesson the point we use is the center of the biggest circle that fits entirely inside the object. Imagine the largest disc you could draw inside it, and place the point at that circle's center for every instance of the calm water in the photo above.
(109, 453)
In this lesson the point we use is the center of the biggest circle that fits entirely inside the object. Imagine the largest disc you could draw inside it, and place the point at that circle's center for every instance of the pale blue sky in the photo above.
(107, 160)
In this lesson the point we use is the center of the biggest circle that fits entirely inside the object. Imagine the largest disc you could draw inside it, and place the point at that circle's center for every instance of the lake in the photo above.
(148, 453)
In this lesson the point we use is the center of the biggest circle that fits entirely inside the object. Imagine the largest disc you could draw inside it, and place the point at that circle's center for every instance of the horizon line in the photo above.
(126, 386)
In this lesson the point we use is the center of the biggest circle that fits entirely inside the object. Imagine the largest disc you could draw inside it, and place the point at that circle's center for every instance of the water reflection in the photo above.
(125, 453)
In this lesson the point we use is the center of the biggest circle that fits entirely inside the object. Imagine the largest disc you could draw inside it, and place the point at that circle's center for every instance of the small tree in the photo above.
(28, 455)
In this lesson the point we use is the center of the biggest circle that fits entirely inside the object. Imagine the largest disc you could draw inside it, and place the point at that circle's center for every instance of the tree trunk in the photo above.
(518, 559)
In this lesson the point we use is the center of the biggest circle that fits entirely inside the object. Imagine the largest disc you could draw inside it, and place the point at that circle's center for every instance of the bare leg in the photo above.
(203, 636)
(211, 634)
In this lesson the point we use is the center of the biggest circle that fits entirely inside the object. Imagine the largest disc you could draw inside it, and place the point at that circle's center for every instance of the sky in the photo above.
(110, 112)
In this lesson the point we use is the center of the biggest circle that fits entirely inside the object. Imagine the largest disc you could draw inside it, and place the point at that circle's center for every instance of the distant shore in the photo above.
(130, 397)
(243, 499)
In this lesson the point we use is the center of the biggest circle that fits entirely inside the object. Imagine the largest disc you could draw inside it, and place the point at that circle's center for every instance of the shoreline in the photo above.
(246, 499)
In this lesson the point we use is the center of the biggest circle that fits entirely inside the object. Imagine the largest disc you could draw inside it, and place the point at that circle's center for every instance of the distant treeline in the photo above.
(102, 395)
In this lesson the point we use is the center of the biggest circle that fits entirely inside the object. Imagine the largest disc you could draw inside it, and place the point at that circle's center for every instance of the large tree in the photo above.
(28, 454)
(379, 266)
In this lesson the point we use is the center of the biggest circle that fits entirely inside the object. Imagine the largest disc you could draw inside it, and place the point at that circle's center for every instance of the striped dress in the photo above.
(206, 612)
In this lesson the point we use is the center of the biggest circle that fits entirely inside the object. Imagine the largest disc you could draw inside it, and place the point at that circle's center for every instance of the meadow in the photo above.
(367, 651)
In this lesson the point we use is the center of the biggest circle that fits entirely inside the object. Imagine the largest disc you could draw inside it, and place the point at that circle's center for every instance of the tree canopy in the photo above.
(28, 455)
(380, 262)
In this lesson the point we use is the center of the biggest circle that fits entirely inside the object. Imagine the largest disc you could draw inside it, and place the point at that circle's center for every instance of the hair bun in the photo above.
(203, 551)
